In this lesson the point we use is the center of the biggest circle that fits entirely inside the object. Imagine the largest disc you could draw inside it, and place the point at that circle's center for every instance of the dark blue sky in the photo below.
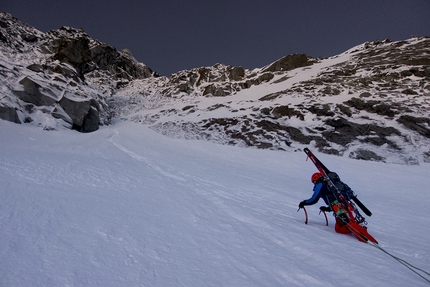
(172, 35)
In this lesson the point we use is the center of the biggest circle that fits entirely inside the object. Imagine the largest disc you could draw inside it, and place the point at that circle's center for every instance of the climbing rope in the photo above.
(403, 262)
(408, 265)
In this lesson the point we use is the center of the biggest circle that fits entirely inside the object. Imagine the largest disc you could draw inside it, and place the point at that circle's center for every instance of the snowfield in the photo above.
(126, 206)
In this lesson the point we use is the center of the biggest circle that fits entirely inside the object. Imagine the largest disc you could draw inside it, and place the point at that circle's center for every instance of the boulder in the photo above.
(91, 121)
(9, 114)
(77, 108)
(33, 93)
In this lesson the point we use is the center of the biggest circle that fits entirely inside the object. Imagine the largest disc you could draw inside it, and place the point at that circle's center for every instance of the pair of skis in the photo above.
(343, 209)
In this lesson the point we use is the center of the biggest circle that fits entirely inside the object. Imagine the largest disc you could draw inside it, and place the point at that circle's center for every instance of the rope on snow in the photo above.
(403, 262)
(408, 265)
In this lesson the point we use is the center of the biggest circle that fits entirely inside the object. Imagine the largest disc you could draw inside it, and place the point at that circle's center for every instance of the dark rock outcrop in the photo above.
(290, 62)
(9, 114)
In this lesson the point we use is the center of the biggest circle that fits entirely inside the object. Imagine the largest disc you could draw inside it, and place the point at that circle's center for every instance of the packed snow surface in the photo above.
(126, 206)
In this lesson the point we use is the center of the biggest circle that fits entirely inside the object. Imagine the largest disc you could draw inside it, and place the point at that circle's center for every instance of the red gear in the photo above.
(341, 227)
(315, 177)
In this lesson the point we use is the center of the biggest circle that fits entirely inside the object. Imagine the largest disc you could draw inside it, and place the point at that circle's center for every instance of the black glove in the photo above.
(302, 204)
(325, 208)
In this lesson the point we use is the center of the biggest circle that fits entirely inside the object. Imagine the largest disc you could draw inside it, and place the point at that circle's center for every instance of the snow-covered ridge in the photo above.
(370, 102)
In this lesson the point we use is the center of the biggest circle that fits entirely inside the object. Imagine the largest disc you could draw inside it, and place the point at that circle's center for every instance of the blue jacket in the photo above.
(320, 190)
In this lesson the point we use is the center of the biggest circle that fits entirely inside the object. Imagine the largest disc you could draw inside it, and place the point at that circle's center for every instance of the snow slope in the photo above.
(126, 206)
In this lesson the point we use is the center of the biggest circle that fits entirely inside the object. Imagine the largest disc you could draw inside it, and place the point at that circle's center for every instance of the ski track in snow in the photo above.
(141, 158)
(125, 206)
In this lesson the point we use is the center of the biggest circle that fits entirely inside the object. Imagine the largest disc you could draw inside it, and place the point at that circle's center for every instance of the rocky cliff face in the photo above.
(52, 78)
(371, 102)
